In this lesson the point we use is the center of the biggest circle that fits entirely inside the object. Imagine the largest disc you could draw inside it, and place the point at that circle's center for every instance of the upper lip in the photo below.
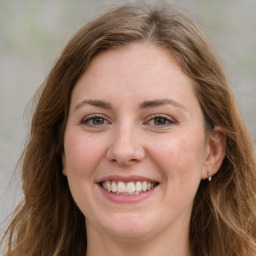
(133, 178)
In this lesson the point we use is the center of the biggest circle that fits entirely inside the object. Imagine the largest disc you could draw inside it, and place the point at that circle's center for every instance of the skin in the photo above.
(165, 142)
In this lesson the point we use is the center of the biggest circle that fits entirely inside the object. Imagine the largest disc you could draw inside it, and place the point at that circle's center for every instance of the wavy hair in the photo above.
(48, 222)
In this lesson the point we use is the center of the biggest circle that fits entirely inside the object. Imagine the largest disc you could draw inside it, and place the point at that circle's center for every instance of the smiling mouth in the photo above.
(128, 188)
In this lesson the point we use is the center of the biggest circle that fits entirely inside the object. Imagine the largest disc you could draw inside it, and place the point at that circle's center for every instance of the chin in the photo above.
(129, 227)
(128, 234)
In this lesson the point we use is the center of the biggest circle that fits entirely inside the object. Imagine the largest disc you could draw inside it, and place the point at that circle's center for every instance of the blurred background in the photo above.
(33, 33)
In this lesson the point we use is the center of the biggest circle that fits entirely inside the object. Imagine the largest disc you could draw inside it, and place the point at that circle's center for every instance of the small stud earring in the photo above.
(209, 176)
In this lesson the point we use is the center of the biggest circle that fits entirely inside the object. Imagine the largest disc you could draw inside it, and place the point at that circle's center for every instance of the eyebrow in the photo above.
(160, 102)
(145, 104)
(96, 103)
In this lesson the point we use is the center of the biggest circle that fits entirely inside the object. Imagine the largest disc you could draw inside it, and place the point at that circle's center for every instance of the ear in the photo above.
(215, 153)
(64, 171)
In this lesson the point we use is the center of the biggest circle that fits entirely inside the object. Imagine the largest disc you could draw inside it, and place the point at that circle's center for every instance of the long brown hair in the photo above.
(223, 221)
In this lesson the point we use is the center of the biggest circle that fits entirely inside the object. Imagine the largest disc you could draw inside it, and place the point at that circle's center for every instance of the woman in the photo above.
(137, 147)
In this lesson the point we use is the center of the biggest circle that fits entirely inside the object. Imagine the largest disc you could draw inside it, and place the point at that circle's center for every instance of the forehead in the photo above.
(140, 58)
(137, 71)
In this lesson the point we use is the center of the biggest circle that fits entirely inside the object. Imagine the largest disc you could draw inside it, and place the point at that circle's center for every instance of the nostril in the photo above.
(125, 151)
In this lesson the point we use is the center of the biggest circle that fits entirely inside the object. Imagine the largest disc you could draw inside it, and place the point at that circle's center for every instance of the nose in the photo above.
(126, 147)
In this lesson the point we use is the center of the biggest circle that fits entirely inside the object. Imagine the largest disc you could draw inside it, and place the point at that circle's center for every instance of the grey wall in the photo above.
(34, 32)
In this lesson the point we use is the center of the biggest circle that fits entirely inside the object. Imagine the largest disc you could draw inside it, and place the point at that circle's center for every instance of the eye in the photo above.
(94, 120)
(160, 120)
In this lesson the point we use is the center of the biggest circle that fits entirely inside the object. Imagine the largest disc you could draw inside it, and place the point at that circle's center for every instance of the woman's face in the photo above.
(135, 145)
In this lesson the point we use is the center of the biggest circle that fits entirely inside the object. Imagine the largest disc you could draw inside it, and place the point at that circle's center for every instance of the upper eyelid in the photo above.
(162, 116)
(95, 115)
(170, 121)
(91, 116)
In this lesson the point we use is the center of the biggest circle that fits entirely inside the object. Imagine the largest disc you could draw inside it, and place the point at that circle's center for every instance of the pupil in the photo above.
(98, 120)
(160, 121)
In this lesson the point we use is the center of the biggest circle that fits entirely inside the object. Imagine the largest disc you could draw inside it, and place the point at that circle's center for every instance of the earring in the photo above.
(209, 176)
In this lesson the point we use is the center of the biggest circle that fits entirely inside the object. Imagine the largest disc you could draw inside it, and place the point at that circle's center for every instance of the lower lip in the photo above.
(124, 198)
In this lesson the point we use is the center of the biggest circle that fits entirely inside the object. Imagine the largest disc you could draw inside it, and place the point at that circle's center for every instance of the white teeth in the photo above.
(144, 186)
(121, 187)
(138, 186)
(109, 187)
(130, 188)
(114, 187)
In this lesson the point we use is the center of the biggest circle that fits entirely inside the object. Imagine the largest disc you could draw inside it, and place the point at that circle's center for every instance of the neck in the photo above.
(175, 244)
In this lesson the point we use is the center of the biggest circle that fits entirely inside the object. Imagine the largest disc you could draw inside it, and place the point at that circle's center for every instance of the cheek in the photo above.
(179, 155)
(82, 155)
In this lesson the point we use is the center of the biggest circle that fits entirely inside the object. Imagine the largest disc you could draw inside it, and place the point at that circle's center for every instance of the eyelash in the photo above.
(165, 118)
(88, 121)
